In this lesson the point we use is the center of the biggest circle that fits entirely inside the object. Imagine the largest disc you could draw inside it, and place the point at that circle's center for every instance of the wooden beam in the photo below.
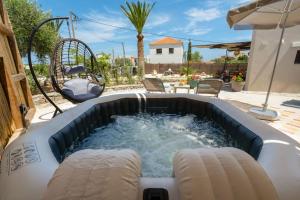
(29, 116)
(20, 67)
(18, 77)
(15, 87)
(5, 30)
(2, 11)
(12, 95)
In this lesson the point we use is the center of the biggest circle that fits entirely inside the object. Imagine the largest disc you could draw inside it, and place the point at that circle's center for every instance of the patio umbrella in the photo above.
(266, 14)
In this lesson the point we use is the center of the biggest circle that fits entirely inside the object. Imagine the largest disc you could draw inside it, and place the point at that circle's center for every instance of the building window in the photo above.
(297, 59)
(171, 50)
(158, 51)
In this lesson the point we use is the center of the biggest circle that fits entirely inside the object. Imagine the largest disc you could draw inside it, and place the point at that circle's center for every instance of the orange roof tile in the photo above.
(166, 40)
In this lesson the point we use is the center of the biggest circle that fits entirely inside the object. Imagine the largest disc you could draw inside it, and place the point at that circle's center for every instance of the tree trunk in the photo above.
(140, 47)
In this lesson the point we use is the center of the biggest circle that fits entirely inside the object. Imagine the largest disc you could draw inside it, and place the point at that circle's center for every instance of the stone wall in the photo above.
(208, 68)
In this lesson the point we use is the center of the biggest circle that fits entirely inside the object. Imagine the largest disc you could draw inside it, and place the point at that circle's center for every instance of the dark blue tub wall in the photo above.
(73, 133)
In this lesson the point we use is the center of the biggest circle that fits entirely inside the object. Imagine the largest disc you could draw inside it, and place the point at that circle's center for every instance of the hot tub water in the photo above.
(157, 138)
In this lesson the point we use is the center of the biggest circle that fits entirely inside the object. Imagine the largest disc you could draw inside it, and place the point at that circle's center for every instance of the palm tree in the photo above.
(138, 13)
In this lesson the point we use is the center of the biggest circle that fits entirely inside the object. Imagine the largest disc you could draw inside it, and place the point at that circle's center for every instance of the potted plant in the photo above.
(193, 81)
(238, 82)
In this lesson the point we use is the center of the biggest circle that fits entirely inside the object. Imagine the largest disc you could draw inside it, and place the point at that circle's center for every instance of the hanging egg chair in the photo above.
(74, 71)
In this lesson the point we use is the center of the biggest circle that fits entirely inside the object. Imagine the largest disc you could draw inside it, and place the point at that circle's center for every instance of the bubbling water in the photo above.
(157, 138)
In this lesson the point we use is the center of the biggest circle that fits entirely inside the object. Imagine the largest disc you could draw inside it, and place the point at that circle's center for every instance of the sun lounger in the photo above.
(209, 86)
(153, 85)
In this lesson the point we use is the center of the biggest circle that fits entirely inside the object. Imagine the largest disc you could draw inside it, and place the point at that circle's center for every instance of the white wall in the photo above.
(165, 57)
(262, 57)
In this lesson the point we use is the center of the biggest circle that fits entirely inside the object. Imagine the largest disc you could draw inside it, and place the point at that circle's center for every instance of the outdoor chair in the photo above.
(153, 85)
(209, 86)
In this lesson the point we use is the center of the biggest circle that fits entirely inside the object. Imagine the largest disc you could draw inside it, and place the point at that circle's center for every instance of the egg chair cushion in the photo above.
(80, 90)
(69, 70)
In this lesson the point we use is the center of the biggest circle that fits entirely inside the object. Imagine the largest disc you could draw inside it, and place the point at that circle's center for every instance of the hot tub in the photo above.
(29, 162)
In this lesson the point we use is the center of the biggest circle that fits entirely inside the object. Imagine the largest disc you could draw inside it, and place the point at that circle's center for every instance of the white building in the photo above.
(262, 57)
(166, 50)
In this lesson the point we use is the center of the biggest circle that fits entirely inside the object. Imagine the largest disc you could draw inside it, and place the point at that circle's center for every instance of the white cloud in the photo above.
(200, 31)
(91, 32)
(192, 30)
(157, 20)
(238, 3)
(243, 37)
(225, 3)
(111, 11)
(200, 15)
(244, 1)
(213, 3)
(195, 16)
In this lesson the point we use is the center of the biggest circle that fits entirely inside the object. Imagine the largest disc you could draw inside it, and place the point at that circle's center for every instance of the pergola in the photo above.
(231, 46)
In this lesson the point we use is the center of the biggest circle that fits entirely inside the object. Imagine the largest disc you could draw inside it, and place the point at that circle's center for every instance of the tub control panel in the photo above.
(155, 194)
(22, 155)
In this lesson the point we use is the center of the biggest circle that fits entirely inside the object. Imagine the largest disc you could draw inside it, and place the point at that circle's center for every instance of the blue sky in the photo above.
(202, 20)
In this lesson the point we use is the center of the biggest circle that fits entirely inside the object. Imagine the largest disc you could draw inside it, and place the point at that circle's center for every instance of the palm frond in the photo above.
(137, 13)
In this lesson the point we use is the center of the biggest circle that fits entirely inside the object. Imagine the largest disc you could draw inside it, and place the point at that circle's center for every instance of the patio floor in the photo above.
(288, 124)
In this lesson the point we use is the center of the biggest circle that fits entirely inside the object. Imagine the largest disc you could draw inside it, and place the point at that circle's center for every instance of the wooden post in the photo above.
(14, 87)
(12, 95)
(2, 11)
(5, 30)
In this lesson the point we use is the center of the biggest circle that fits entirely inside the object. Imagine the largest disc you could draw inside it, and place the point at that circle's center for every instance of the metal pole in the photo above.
(285, 15)
(34, 31)
(113, 58)
(225, 62)
(68, 24)
(124, 56)
(72, 25)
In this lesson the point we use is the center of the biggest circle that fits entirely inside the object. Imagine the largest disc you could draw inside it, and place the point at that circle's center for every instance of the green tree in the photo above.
(184, 70)
(120, 62)
(24, 15)
(232, 60)
(104, 65)
(128, 74)
(137, 13)
(221, 60)
(243, 58)
(196, 56)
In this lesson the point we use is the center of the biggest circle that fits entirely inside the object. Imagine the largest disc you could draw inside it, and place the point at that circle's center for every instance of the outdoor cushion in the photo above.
(220, 173)
(80, 90)
(96, 174)
(69, 70)
(207, 90)
(204, 86)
